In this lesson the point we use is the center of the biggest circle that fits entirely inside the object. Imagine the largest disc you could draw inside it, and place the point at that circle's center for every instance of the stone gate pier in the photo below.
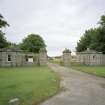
(66, 57)
(43, 56)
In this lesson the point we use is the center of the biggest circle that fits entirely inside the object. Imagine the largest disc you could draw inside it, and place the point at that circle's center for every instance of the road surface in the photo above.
(78, 88)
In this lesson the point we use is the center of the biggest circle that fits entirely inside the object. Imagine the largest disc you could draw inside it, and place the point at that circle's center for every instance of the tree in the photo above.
(32, 43)
(86, 40)
(13, 45)
(102, 21)
(93, 38)
(3, 23)
(3, 41)
(99, 40)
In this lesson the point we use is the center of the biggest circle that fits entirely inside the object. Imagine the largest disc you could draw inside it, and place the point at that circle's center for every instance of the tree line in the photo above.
(32, 43)
(93, 38)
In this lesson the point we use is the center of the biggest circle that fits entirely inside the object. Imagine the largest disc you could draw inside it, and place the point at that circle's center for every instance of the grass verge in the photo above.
(96, 70)
(30, 84)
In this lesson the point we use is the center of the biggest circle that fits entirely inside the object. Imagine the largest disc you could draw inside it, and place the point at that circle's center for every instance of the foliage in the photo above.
(66, 51)
(85, 40)
(32, 43)
(3, 41)
(93, 38)
(102, 21)
(99, 41)
(13, 45)
(3, 23)
(30, 84)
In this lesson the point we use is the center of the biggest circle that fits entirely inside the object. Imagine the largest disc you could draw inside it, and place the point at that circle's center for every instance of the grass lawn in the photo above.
(30, 84)
(96, 70)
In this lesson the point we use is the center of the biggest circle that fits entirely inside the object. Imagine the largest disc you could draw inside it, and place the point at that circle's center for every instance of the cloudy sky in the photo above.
(59, 22)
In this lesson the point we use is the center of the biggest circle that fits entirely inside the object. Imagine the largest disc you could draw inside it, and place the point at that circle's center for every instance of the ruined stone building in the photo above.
(90, 57)
(14, 57)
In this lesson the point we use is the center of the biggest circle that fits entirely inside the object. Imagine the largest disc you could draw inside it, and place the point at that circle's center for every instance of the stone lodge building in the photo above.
(90, 57)
(13, 57)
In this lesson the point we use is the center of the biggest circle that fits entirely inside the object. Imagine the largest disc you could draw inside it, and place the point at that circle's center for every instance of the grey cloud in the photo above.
(59, 22)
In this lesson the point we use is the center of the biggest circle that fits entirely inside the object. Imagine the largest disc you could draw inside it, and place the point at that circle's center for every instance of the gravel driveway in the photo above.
(78, 88)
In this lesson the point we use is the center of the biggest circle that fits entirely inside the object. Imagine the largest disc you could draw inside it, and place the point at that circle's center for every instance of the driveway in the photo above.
(78, 88)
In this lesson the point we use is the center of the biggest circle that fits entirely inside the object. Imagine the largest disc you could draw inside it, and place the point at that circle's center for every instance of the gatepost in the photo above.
(43, 57)
(66, 57)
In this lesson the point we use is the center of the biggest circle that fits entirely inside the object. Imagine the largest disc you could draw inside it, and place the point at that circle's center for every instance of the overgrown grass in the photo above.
(30, 84)
(96, 70)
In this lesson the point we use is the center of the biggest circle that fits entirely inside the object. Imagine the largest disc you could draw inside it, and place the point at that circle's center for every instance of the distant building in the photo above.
(90, 57)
